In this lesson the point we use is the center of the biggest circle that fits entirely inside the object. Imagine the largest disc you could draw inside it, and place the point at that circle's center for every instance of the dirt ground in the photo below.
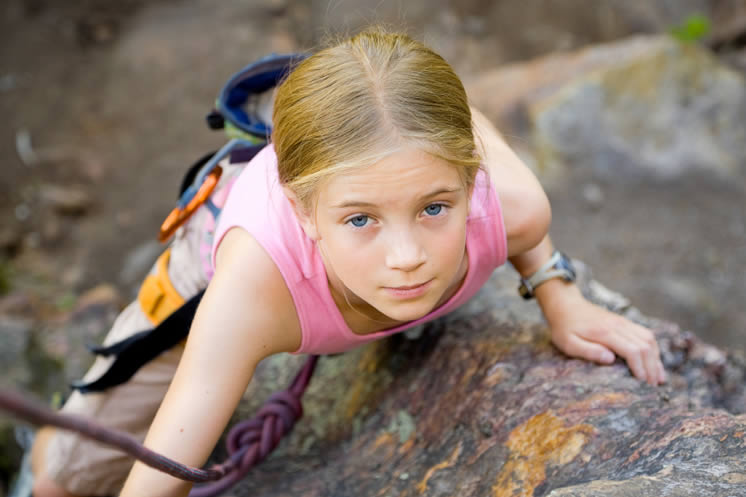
(112, 96)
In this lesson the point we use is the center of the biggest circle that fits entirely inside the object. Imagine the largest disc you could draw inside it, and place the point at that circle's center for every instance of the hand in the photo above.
(582, 329)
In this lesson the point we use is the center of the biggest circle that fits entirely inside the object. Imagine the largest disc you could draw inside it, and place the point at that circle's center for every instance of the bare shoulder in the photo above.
(248, 285)
(525, 206)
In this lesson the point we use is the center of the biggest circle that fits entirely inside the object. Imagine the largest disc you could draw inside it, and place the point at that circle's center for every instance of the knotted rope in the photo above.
(248, 442)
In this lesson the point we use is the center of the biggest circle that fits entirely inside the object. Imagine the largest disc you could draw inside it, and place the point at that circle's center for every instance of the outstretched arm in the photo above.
(583, 329)
(243, 317)
(579, 328)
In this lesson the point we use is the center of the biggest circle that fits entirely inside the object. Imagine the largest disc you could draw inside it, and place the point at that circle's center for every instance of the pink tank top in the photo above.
(257, 204)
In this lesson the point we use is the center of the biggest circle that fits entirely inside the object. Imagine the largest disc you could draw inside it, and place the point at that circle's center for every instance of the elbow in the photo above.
(544, 216)
(532, 223)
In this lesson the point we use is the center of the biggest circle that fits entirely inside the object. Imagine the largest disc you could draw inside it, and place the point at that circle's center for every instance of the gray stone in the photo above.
(593, 195)
(15, 336)
(724, 478)
(68, 200)
(645, 106)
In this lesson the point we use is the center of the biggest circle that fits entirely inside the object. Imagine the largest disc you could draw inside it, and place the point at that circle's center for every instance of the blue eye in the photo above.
(358, 221)
(433, 209)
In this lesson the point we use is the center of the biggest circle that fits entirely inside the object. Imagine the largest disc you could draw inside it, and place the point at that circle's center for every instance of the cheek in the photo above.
(447, 245)
(352, 253)
(349, 245)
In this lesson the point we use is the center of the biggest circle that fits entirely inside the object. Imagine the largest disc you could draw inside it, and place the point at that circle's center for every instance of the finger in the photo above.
(591, 351)
(651, 353)
(662, 373)
(648, 353)
(630, 348)
(651, 360)
(641, 342)
(659, 363)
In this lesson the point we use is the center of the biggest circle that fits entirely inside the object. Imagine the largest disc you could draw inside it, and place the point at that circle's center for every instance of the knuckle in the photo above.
(596, 334)
(643, 350)
(636, 349)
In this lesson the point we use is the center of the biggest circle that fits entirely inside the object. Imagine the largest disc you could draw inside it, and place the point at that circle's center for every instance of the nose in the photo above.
(404, 252)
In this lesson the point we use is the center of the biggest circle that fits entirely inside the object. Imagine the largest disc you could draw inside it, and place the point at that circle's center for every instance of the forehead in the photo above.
(404, 175)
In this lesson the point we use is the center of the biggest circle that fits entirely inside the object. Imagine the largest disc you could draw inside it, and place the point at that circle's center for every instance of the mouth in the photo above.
(410, 287)
(408, 291)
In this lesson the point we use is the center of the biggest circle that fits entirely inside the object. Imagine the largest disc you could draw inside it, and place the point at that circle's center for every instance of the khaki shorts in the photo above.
(85, 467)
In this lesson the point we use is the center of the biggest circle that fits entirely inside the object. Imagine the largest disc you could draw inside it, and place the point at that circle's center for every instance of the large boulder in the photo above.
(483, 404)
(649, 106)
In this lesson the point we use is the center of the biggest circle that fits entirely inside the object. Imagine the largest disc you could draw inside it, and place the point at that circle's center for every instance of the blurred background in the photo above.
(631, 113)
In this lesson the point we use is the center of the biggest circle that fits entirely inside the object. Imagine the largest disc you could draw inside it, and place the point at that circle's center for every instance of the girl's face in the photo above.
(393, 235)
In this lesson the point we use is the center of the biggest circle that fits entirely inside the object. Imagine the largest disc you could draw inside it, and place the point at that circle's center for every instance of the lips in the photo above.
(408, 291)
(410, 287)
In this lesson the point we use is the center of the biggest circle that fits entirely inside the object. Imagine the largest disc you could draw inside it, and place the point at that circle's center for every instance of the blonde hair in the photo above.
(354, 103)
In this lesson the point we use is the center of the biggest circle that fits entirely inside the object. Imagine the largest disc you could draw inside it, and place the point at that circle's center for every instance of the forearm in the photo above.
(580, 328)
(144, 480)
(527, 214)
(529, 261)
(551, 295)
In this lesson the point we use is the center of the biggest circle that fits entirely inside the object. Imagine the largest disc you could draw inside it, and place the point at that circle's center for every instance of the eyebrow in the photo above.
(359, 203)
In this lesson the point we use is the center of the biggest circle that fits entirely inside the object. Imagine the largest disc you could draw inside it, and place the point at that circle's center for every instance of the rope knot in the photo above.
(257, 437)
(250, 441)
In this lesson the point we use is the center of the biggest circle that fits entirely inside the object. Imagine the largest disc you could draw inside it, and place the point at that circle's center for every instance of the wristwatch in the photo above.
(558, 266)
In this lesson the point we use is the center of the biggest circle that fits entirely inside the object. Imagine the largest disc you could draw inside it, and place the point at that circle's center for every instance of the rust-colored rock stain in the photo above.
(447, 463)
(406, 446)
(360, 391)
(384, 438)
(605, 400)
(542, 439)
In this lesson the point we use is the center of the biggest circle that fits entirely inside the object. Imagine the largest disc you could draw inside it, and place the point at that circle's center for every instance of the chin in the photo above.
(406, 312)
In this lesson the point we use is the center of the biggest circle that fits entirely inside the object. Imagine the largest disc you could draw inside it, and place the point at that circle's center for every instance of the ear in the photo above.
(305, 217)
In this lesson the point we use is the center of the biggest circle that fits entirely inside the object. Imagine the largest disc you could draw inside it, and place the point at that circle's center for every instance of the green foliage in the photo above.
(66, 301)
(694, 28)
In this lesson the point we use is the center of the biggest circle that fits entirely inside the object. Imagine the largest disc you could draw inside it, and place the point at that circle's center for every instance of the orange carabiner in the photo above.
(178, 216)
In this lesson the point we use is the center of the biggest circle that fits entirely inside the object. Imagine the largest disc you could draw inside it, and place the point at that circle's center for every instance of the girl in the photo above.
(383, 201)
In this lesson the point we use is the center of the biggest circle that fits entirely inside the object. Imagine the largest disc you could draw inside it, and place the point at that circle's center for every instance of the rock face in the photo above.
(482, 404)
(650, 105)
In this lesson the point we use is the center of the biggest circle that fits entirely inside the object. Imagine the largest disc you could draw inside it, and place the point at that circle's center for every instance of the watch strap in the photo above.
(558, 266)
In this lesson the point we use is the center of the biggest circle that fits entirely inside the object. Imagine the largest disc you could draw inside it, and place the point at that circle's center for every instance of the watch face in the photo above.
(524, 291)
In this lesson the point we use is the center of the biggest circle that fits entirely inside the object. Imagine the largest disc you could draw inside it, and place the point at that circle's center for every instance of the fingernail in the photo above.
(607, 356)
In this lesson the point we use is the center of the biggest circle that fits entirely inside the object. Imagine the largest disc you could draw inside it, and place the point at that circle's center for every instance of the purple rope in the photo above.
(248, 443)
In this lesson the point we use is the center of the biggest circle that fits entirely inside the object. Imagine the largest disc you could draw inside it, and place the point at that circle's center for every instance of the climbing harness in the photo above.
(244, 128)
(158, 297)
(248, 442)
(169, 312)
